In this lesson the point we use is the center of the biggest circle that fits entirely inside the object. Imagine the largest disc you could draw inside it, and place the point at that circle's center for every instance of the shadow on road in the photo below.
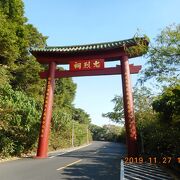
(103, 164)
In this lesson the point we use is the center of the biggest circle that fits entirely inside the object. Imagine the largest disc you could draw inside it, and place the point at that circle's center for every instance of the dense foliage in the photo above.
(18, 128)
(168, 105)
(164, 56)
(118, 112)
(108, 133)
(22, 91)
(161, 130)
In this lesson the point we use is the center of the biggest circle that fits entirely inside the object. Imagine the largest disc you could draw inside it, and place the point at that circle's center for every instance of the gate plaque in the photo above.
(86, 65)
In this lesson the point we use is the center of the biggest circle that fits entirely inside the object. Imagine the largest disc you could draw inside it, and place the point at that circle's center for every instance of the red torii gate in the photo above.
(98, 53)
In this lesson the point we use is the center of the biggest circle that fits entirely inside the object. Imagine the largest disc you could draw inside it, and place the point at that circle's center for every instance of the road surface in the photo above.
(98, 161)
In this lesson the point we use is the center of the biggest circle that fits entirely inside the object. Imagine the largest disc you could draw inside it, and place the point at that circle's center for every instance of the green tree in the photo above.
(81, 116)
(168, 105)
(118, 111)
(16, 37)
(107, 133)
(97, 132)
(19, 126)
(65, 91)
(14, 10)
(143, 99)
(8, 38)
(112, 132)
(164, 56)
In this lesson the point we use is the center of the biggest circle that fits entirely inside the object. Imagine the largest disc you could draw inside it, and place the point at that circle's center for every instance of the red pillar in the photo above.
(47, 113)
(128, 108)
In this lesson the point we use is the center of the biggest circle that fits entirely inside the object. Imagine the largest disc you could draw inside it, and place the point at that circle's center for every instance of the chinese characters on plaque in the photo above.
(87, 65)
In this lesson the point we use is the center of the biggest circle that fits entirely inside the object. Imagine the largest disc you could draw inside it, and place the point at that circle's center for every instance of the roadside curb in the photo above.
(67, 150)
(50, 154)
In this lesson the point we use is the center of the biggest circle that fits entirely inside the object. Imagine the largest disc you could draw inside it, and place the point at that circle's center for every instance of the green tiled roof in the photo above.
(91, 47)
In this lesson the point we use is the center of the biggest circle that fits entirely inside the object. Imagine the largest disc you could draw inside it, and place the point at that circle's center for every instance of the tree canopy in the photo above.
(168, 105)
(118, 111)
(163, 58)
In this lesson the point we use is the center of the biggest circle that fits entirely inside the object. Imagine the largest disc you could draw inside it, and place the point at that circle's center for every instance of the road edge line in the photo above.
(75, 162)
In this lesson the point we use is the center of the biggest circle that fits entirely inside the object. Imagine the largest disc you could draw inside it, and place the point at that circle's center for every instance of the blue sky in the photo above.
(73, 22)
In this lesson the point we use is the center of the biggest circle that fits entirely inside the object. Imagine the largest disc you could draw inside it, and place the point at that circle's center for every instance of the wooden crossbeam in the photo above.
(106, 71)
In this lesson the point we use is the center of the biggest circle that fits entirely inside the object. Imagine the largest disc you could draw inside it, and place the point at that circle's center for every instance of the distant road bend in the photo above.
(98, 161)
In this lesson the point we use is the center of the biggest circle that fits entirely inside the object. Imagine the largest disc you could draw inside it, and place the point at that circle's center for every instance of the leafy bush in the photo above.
(19, 121)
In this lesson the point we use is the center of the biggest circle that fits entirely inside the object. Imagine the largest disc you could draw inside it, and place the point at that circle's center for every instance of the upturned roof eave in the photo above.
(109, 51)
(88, 47)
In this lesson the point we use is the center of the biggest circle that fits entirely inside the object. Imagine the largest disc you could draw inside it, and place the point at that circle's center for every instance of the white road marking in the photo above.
(69, 165)
(96, 152)
(51, 157)
(62, 153)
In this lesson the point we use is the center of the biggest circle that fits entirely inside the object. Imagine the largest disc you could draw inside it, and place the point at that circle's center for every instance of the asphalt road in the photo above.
(98, 161)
